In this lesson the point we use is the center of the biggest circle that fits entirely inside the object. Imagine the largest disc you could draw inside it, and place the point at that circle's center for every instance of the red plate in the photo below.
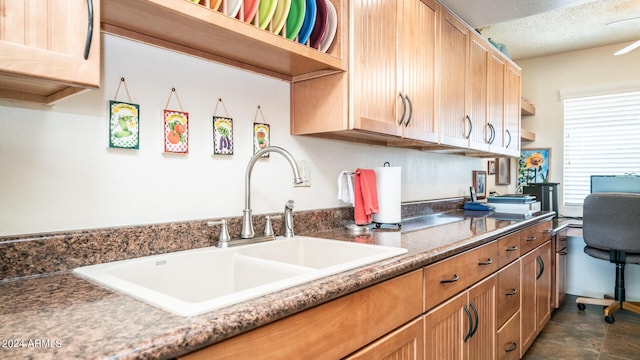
(320, 26)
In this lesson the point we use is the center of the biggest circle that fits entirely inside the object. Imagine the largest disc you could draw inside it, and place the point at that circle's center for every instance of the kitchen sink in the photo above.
(196, 281)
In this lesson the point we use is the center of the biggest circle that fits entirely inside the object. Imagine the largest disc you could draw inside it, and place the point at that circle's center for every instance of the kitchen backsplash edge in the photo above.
(46, 253)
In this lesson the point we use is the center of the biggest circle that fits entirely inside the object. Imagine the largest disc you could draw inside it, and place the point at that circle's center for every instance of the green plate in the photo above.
(295, 18)
(265, 11)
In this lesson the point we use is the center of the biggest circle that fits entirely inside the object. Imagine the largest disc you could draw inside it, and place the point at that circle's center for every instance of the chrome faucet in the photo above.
(247, 220)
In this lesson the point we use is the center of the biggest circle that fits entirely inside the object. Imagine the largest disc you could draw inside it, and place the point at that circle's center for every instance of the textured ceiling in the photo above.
(532, 28)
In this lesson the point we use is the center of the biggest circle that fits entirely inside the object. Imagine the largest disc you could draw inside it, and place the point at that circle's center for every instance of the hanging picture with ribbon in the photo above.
(261, 134)
(124, 122)
(222, 132)
(176, 129)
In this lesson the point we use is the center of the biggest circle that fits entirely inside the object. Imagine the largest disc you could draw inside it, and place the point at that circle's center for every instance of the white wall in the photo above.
(58, 173)
(542, 80)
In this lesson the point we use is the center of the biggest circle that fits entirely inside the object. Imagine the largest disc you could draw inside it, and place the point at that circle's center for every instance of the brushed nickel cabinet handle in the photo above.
(512, 248)
(512, 347)
(531, 238)
(488, 262)
(512, 292)
(455, 278)
(404, 109)
(87, 44)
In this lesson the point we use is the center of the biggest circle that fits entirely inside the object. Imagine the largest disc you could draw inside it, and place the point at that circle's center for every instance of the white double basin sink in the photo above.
(196, 281)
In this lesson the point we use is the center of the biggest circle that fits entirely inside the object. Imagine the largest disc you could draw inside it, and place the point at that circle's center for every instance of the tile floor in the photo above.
(584, 335)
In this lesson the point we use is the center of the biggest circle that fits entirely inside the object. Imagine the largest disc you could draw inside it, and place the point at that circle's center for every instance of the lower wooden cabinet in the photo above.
(463, 327)
(508, 342)
(405, 343)
(559, 258)
(536, 293)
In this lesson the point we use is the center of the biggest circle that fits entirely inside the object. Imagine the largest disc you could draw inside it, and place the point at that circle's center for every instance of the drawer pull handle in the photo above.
(512, 292)
(541, 263)
(455, 278)
(512, 347)
(488, 262)
(532, 238)
(475, 312)
(563, 253)
(512, 248)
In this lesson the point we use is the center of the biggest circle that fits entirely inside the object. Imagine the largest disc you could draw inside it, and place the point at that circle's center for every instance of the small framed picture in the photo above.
(222, 135)
(124, 125)
(176, 132)
(261, 137)
(480, 183)
(503, 171)
(491, 167)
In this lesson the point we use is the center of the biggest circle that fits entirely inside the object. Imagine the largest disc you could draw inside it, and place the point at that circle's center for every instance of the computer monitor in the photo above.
(615, 183)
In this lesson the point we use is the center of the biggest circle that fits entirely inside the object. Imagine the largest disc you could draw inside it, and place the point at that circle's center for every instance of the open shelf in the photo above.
(527, 109)
(199, 31)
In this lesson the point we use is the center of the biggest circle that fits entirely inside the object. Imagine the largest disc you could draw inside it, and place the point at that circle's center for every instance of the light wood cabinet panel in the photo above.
(452, 85)
(508, 293)
(419, 26)
(508, 249)
(389, 90)
(331, 330)
(508, 341)
(512, 117)
(448, 277)
(405, 343)
(47, 49)
(482, 300)
(478, 101)
(536, 293)
(463, 327)
(559, 251)
(497, 67)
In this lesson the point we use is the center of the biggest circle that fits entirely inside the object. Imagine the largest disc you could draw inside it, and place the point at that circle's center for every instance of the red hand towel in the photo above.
(365, 196)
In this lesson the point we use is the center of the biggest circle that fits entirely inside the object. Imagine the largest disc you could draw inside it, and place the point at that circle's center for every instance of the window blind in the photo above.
(601, 137)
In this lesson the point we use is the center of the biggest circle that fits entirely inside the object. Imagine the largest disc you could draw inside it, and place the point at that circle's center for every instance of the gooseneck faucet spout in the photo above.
(247, 220)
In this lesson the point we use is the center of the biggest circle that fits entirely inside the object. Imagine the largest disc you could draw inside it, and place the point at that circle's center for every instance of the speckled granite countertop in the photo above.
(62, 316)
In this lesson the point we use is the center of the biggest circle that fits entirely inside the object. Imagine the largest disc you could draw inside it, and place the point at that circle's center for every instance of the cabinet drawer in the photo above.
(508, 249)
(331, 330)
(508, 340)
(508, 297)
(448, 277)
(406, 342)
(534, 236)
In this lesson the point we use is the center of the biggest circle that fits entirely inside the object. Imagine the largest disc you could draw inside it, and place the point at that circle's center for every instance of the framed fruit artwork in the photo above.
(124, 125)
(222, 135)
(176, 132)
(261, 137)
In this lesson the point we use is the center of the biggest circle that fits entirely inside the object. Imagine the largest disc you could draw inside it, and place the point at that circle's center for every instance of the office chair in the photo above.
(611, 230)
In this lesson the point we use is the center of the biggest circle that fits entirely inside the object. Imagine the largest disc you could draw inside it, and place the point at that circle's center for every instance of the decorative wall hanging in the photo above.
(534, 166)
(124, 122)
(176, 128)
(261, 133)
(222, 132)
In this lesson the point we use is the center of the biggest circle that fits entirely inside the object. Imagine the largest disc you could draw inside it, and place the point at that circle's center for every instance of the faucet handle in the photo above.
(268, 228)
(223, 240)
(288, 218)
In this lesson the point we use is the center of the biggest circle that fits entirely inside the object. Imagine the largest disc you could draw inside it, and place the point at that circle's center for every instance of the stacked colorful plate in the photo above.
(250, 10)
(295, 18)
(265, 12)
(320, 27)
(309, 21)
(332, 26)
(280, 16)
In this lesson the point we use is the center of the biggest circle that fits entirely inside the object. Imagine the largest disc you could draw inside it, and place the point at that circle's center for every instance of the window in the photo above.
(601, 137)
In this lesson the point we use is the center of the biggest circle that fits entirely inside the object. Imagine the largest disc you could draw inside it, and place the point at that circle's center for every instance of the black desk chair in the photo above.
(611, 230)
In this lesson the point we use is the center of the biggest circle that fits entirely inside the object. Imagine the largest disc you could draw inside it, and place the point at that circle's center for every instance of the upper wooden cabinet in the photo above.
(512, 118)
(49, 49)
(388, 93)
(197, 30)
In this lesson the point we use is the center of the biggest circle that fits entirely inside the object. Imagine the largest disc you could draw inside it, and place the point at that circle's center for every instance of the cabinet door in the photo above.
(508, 342)
(477, 99)
(48, 40)
(536, 293)
(543, 285)
(559, 285)
(417, 49)
(405, 343)
(376, 103)
(512, 116)
(453, 59)
(495, 123)
(445, 329)
(482, 301)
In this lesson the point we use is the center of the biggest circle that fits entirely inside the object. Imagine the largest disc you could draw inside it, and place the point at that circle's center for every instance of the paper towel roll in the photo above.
(388, 184)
